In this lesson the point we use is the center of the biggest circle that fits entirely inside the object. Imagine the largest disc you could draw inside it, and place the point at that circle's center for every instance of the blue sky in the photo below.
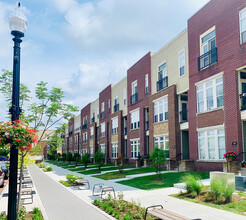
(84, 45)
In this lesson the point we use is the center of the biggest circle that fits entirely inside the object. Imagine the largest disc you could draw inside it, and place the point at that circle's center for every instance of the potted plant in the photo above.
(230, 156)
(243, 163)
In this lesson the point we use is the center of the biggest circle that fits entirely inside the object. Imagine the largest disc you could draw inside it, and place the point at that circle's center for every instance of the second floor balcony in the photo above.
(146, 125)
(84, 126)
(116, 107)
(134, 98)
(93, 120)
(162, 83)
(207, 59)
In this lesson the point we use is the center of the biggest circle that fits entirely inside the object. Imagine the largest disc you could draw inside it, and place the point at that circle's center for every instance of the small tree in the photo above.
(99, 158)
(69, 157)
(120, 163)
(64, 157)
(76, 158)
(58, 156)
(85, 159)
(158, 157)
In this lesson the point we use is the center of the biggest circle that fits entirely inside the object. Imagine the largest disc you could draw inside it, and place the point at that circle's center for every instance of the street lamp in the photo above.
(18, 26)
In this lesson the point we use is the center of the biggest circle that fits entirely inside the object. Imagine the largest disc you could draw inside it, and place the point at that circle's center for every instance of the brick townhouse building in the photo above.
(217, 68)
(138, 91)
(169, 129)
(77, 134)
(85, 129)
(104, 120)
(188, 98)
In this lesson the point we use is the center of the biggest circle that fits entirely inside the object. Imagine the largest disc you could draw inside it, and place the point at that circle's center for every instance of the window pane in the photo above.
(208, 37)
(211, 145)
(243, 25)
(201, 145)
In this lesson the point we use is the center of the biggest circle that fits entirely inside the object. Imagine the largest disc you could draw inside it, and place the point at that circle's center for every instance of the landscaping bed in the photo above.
(238, 204)
(118, 175)
(121, 209)
(167, 180)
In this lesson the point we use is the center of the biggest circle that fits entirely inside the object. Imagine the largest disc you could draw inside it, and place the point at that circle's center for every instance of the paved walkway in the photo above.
(148, 198)
(59, 203)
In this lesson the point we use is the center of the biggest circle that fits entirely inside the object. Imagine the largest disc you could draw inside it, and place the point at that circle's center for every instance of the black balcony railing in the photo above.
(84, 126)
(134, 98)
(102, 115)
(162, 83)
(183, 116)
(116, 108)
(102, 134)
(207, 59)
(93, 120)
(125, 130)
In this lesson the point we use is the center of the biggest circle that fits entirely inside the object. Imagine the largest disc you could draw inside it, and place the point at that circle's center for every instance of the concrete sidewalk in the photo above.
(59, 203)
(148, 198)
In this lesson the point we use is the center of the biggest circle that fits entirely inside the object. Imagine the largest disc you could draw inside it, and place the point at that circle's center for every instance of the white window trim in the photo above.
(112, 120)
(137, 122)
(136, 109)
(159, 109)
(113, 146)
(158, 99)
(240, 28)
(137, 140)
(209, 79)
(183, 50)
(136, 81)
(216, 127)
(205, 34)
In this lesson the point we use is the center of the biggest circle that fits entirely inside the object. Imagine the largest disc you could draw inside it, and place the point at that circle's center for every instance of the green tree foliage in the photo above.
(121, 163)
(58, 157)
(158, 157)
(69, 157)
(85, 159)
(76, 158)
(64, 157)
(99, 158)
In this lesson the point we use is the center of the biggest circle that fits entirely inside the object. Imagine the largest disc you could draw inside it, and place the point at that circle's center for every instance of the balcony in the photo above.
(125, 130)
(146, 125)
(102, 115)
(102, 134)
(84, 126)
(116, 108)
(207, 59)
(183, 116)
(134, 98)
(162, 83)
(93, 120)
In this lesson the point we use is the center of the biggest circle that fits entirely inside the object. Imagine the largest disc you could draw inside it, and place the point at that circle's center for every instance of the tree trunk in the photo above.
(20, 185)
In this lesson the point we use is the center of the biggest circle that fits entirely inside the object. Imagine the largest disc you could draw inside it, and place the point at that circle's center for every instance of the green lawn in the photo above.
(89, 172)
(168, 179)
(117, 175)
(235, 207)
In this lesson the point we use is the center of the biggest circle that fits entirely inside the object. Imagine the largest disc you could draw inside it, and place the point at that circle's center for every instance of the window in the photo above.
(135, 149)
(115, 125)
(211, 144)
(208, 42)
(103, 130)
(116, 104)
(109, 105)
(115, 150)
(162, 142)
(242, 16)
(210, 95)
(97, 111)
(135, 119)
(91, 133)
(91, 152)
(182, 63)
(124, 96)
(134, 87)
(102, 107)
(161, 110)
(102, 148)
(146, 84)
(85, 138)
(162, 71)
(70, 141)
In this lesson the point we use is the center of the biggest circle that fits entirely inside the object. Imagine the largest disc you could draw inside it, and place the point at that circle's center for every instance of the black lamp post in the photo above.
(18, 26)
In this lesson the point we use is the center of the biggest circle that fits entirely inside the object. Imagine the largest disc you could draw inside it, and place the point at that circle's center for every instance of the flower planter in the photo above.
(229, 159)
(244, 165)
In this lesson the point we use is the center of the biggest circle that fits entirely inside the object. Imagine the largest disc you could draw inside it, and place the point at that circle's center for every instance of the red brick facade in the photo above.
(85, 113)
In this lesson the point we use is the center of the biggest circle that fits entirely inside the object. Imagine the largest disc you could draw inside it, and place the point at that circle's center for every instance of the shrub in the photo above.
(217, 188)
(99, 158)
(193, 184)
(37, 214)
(47, 169)
(71, 178)
(227, 193)
(64, 156)
(76, 158)
(69, 157)
(40, 165)
(64, 183)
(85, 159)
(21, 214)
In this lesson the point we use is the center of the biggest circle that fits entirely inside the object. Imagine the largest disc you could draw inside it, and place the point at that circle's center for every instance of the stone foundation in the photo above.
(232, 167)
(187, 165)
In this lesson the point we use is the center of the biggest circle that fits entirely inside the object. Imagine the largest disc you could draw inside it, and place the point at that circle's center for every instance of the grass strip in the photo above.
(167, 180)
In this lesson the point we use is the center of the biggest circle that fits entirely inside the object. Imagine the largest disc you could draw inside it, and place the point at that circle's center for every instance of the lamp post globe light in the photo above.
(18, 26)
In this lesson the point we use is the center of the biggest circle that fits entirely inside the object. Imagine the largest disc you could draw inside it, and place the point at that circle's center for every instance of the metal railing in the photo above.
(162, 83)
(207, 59)
(146, 125)
(116, 107)
(84, 126)
(134, 98)
(93, 120)
(102, 115)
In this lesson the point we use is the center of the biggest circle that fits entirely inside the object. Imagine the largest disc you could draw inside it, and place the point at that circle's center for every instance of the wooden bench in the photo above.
(164, 214)
(103, 190)
(82, 182)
